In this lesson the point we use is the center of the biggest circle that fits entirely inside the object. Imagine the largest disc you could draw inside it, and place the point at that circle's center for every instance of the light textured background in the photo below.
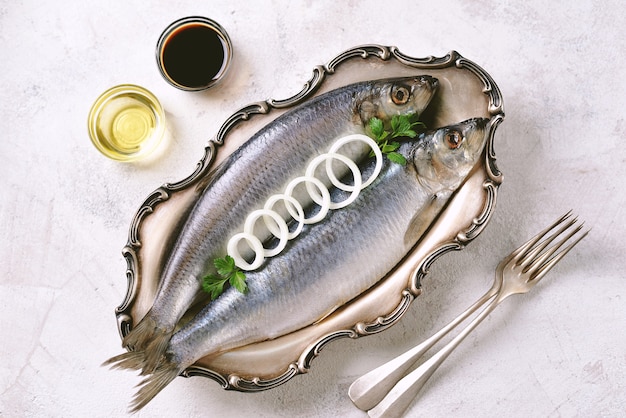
(65, 209)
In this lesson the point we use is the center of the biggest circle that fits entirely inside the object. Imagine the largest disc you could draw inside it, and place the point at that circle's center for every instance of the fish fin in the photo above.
(140, 336)
(153, 384)
(146, 361)
(132, 360)
(327, 314)
(155, 350)
(147, 343)
(423, 219)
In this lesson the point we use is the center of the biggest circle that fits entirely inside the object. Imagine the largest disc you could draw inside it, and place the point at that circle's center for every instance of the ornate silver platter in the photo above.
(465, 91)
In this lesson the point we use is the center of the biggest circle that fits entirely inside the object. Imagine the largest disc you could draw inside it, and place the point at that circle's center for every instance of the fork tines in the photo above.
(536, 254)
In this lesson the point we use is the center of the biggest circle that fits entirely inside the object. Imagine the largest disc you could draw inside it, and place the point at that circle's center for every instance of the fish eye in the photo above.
(453, 139)
(400, 95)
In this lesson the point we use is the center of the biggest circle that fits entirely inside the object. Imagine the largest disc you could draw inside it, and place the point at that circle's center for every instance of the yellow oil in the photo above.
(126, 123)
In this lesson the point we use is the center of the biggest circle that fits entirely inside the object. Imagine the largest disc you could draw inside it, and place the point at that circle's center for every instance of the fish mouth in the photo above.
(423, 90)
(425, 83)
(474, 130)
(474, 124)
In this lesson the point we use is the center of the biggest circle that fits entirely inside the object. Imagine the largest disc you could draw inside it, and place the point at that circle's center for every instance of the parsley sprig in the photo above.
(401, 126)
(227, 271)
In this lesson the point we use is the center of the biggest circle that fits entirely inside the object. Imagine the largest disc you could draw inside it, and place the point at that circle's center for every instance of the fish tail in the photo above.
(149, 338)
(153, 384)
(154, 352)
(141, 335)
(133, 360)
(145, 360)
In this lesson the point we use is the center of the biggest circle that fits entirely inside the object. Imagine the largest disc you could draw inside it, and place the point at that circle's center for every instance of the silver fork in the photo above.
(517, 273)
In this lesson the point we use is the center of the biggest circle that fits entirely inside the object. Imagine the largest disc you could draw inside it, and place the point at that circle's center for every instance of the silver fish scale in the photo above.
(336, 260)
(260, 167)
(343, 256)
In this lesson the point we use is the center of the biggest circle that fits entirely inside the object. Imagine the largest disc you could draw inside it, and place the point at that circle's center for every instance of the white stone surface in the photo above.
(65, 209)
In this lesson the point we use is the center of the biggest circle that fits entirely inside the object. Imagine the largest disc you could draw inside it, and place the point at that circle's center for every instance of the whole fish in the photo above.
(259, 168)
(333, 261)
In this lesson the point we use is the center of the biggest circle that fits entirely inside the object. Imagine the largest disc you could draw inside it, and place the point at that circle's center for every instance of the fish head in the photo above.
(445, 156)
(397, 96)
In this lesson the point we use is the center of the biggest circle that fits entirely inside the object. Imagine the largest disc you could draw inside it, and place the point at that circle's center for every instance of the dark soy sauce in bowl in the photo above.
(193, 53)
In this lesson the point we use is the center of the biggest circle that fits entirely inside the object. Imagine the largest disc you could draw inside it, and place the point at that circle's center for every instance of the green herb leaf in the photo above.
(225, 266)
(410, 133)
(217, 290)
(227, 271)
(387, 148)
(400, 123)
(401, 126)
(397, 158)
(214, 285)
(378, 128)
(238, 281)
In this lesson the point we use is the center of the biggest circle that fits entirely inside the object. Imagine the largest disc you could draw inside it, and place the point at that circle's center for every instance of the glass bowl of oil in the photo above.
(126, 123)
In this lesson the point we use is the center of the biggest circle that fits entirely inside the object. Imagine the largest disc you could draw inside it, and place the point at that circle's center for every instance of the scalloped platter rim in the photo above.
(466, 90)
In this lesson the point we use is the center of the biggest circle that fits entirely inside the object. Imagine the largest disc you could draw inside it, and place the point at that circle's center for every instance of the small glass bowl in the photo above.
(126, 123)
(194, 53)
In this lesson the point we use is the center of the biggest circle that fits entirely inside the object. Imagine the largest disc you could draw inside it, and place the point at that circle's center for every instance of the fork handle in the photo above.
(368, 390)
(403, 393)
